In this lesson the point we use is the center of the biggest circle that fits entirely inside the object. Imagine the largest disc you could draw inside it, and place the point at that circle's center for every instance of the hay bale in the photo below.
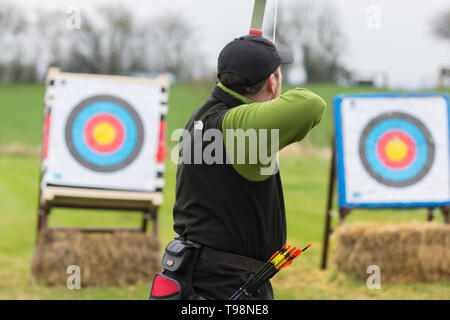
(117, 259)
(409, 252)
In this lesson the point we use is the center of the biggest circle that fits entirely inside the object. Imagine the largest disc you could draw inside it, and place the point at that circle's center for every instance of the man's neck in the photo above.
(261, 97)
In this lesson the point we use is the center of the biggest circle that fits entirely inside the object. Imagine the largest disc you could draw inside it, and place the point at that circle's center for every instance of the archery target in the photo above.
(105, 133)
(393, 150)
(396, 149)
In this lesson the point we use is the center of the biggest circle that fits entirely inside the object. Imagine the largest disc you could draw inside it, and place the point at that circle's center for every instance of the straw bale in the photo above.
(104, 259)
(408, 252)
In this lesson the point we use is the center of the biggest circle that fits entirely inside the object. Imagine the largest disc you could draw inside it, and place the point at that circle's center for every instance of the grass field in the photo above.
(304, 173)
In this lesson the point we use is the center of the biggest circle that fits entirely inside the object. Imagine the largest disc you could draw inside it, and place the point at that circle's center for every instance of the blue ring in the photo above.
(92, 156)
(393, 174)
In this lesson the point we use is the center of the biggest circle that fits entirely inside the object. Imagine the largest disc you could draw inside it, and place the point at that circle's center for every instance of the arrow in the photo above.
(274, 267)
(262, 270)
(281, 259)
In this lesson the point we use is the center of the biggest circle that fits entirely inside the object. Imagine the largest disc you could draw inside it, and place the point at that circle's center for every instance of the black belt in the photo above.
(231, 259)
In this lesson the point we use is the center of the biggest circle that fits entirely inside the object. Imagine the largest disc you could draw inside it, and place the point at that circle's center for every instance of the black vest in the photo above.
(217, 207)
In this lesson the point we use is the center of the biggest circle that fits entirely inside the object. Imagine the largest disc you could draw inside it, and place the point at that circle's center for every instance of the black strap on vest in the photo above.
(231, 259)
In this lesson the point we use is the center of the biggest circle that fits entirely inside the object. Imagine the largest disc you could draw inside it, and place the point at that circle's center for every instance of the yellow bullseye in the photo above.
(104, 133)
(396, 149)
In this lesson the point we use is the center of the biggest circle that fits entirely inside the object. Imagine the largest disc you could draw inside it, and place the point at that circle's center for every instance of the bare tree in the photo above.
(16, 63)
(113, 44)
(441, 26)
(50, 29)
(312, 33)
(173, 45)
(117, 44)
(110, 40)
(12, 20)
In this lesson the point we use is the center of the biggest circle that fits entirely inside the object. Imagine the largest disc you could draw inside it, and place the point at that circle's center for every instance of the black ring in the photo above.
(420, 126)
(83, 161)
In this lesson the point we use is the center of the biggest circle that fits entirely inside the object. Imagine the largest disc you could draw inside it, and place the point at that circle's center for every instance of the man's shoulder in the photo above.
(211, 113)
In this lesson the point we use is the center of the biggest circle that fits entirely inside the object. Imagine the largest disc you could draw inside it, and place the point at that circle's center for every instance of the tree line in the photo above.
(110, 39)
(107, 40)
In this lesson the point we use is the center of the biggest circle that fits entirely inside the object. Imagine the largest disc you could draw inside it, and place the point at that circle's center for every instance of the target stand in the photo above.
(389, 151)
(103, 146)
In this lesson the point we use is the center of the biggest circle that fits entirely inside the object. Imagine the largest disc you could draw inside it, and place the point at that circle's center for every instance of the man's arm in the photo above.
(293, 114)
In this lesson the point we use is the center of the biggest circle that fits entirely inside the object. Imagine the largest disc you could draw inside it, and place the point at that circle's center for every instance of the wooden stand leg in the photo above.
(42, 218)
(329, 212)
(446, 213)
(343, 212)
(154, 215)
(430, 214)
(146, 215)
(326, 238)
(42, 223)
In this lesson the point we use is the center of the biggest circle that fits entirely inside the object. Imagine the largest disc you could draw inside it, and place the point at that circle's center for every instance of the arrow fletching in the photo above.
(281, 259)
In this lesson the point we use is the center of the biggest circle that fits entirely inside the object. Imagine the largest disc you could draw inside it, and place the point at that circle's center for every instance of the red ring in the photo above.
(89, 133)
(410, 154)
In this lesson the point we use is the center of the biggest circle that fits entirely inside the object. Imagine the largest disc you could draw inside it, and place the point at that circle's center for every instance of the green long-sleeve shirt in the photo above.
(237, 208)
(293, 114)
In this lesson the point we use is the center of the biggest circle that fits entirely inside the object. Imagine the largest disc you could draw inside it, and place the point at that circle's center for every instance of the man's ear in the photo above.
(271, 84)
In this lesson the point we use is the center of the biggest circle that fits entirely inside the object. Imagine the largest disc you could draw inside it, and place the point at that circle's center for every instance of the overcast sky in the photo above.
(403, 46)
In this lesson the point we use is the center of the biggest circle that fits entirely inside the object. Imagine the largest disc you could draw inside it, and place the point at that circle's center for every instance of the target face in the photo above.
(396, 149)
(104, 133)
(392, 150)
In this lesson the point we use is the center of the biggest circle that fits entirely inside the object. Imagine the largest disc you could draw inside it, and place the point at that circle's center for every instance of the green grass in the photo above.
(21, 108)
(305, 179)
(21, 113)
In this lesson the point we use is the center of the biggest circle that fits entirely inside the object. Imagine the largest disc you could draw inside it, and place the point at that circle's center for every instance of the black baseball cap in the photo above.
(252, 57)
